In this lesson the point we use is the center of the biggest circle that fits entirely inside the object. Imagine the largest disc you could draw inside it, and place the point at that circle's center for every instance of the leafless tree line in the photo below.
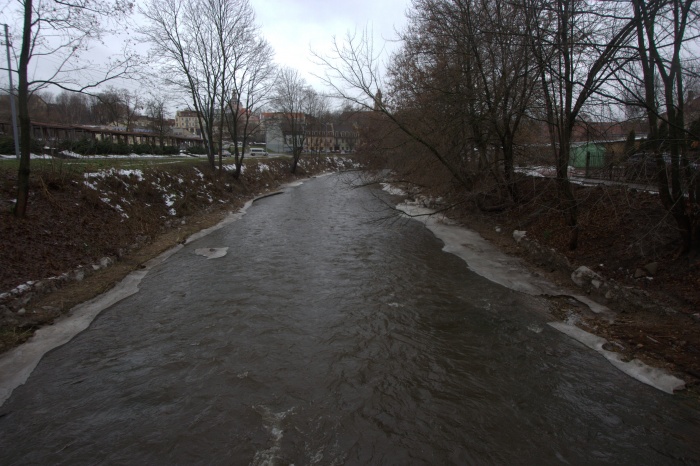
(120, 107)
(213, 51)
(209, 50)
(474, 78)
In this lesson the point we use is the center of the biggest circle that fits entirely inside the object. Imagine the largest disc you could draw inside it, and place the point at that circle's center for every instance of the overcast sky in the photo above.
(293, 27)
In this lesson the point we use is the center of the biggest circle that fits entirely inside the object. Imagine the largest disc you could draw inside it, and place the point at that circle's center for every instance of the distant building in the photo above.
(273, 124)
(340, 135)
(186, 121)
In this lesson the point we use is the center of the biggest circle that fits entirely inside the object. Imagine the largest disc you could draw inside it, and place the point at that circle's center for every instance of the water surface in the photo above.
(333, 334)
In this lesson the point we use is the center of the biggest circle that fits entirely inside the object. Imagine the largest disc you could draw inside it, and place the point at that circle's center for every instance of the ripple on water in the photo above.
(327, 335)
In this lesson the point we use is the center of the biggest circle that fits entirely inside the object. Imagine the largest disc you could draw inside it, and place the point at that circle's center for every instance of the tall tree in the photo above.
(248, 73)
(73, 108)
(116, 107)
(472, 57)
(158, 121)
(353, 71)
(576, 45)
(210, 49)
(187, 50)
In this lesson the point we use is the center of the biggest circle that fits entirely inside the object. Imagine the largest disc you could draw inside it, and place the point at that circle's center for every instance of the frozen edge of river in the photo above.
(486, 260)
(634, 368)
(18, 364)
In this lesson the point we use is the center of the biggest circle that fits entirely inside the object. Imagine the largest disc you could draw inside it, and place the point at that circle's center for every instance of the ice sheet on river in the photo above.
(485, 260)
(481, 257)
(211, 253)
(634, 368)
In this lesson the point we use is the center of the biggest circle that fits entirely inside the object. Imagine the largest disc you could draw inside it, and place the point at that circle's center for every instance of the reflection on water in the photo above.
(327, 335)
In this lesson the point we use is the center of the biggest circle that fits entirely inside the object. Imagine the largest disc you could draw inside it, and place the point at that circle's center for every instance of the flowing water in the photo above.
(331, 334)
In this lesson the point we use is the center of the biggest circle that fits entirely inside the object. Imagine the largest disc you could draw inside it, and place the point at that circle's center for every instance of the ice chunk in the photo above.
(211, 253)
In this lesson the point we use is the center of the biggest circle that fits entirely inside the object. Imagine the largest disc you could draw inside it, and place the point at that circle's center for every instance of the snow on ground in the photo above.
(111, 172)
(480, 255)
(231, 167)
(72, 155)
(544, 171)
(393, 190)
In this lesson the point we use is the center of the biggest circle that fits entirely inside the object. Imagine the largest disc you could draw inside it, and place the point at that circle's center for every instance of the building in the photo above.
(186, 121)
(339, 135)
(273, 124)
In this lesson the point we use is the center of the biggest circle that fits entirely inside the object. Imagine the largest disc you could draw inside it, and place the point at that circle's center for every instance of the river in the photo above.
(333, 333)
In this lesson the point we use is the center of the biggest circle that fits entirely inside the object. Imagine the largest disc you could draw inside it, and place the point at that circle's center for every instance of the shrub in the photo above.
(7, 145)
(197, 150)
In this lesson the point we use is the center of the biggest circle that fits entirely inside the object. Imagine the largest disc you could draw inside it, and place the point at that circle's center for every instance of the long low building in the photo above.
(49, 134)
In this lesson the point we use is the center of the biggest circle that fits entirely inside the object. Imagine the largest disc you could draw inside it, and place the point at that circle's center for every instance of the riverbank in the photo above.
(626, 261)
(89, 227)
(86, 232)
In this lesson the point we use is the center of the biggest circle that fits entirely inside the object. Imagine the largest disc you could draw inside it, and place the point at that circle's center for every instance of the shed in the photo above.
(594, 153)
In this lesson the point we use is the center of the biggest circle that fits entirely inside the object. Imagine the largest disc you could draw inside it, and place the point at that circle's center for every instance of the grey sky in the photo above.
(293, 27)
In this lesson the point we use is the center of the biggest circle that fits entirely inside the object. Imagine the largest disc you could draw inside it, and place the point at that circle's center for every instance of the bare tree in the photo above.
(248, 72)
(156, 112)
(353, 72)
(663, 35)
(132, 104)
(467, 64)
(298, 105)
(73, 108)
(188, 51)
(211, 49)
(116, 107)
(576, 46)
(62, 31)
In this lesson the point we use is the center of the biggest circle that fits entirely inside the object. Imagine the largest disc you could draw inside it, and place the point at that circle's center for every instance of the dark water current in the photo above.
(326, 336)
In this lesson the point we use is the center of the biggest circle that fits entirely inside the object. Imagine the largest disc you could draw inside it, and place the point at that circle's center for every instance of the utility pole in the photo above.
(12, 95)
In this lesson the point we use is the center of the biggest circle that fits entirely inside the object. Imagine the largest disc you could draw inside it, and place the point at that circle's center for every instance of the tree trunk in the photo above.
(295, 160)
(25, 125)
(239, 160)
(568, 200)
(509, 170)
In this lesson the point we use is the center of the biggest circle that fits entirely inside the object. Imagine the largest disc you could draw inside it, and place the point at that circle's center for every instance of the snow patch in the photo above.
(485, 260)
(138, 174)
(480, 255)
(393, 190)
(169, 199)
(211, 253)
